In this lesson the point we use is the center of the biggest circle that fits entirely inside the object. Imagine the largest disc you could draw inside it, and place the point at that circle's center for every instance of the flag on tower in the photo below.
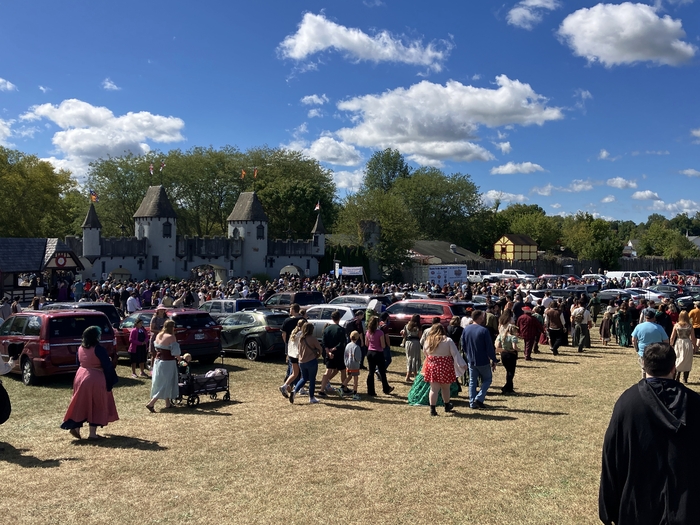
(150, 168)
(162, 165)
(318, 206)
(93, 196)
(255, 173)
(243, 174)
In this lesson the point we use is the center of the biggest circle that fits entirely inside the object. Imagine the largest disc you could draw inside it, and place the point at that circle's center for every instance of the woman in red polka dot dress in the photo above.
(439, 368)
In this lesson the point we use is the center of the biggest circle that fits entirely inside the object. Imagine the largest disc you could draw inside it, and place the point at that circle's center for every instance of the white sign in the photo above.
(352, 270)
(447, 274)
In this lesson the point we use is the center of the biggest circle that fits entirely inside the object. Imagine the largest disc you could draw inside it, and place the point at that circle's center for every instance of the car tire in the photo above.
(28, 375)
(252, 349)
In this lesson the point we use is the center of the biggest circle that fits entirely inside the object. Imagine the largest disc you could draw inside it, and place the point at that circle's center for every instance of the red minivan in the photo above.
(197, 332)
(45, 343)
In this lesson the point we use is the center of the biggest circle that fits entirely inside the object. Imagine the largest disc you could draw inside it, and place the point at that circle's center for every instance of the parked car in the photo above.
(513, 273)
(608, 296)
(220, 308)
(360, 301)
(671, 290)
(400, 313)
(282, 300)
(45, 343)
(106, 308)
(649, 295)
(482, 276)
(256, 333)
(197, 332)
(320, 316)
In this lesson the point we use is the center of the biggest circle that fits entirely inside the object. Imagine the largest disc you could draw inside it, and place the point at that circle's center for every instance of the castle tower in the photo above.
(155, 220)
(319, 238)
(92, 229)
(249, 218)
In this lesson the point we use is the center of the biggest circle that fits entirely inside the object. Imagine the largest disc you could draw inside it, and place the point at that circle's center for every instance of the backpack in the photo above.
(578, 316)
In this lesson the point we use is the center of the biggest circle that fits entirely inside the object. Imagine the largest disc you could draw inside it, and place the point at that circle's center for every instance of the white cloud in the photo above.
(681, 206)
(626, 33)
(696, 133)
(327, 149)
(621, 183)
(578, 185)
(314, 100)
(543, 190)
(528, 13)
(5, 132)
(379, 3)
(349, 180)
(556, 205)
(608, 199)
(109, 85)
(316, 34)
(491, 196)
(91, 132)
(476, 76)
(504, 147)
(581, 95)
(603, 155)
(430, 122)
(315, 112)
(646, 195)
(44, 89)
(691, 172)
(511, 168)
(6, 85)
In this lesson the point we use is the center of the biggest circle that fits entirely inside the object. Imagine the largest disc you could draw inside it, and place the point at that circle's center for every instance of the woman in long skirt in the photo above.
(164, 385)
(412, 334)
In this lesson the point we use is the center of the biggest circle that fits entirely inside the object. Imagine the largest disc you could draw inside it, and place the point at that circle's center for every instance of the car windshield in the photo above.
(200, 320)
(276, 320)
(109, 310)
(309, 298)
(74, 326)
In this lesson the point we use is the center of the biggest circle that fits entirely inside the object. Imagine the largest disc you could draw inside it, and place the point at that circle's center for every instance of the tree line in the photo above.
(406, 203)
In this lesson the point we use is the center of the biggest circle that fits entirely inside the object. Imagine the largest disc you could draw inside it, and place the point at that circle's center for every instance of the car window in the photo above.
(276, 320)
(432, 309)
(129, 322)
(287, 300)
(5, 328)
(314, 313)
(215, 307)
(231, 321)
(108, 309)
(146, 318)
(74, 326)
(228, 307)
(193, 320)
(327, 312)
(396, 308)
(205, 307)
(273, 301)
(33, 325)
(246, 319)
(18, 326)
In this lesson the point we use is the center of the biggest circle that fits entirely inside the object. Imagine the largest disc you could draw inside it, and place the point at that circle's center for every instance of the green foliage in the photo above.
(36, 200)
(384, 168)
(591, 238)
(661, 240)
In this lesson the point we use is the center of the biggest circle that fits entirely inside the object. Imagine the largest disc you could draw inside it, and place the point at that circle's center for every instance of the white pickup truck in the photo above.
(482, 276)
(512, 273)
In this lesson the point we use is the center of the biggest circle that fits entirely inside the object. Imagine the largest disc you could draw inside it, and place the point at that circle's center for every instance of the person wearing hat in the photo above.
(694, 315)
(647, 333)
(529, 329)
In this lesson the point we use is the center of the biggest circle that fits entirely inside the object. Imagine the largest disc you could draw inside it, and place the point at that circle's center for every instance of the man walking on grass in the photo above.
(333, 343)
(481, 358)
(647, 333)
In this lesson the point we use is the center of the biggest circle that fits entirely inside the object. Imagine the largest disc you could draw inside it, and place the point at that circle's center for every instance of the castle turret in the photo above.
(249, 218)
(92, 229)
(155, 220)
(319, 238)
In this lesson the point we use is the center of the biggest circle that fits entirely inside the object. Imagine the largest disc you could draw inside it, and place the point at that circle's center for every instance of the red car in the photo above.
(45, 343)
(400, 313)
(196, 331)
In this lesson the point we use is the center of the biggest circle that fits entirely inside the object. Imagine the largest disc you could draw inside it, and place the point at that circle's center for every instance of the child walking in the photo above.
(353, 357)
(605, 328)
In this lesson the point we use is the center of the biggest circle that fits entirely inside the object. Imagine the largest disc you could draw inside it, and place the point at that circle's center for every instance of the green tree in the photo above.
(32, 195)
(384, 168)
(661, 240)
(542, 229)
(591, 238)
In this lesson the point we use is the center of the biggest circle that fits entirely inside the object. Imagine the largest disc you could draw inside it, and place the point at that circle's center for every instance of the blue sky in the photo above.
(571, 105)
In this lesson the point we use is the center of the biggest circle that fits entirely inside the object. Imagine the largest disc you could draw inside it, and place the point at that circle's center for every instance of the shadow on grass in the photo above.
(14, 455)
(117, 441)
(205, 407)
(528, 411)
(529, 394)
(484, 414)
(344, 406)
(384, 399)
(201, 369)
(555, 360)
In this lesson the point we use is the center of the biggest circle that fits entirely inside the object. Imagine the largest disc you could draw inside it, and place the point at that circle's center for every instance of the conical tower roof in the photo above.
(318, 227)
(91, 220)
(155, 205)
(248, 208)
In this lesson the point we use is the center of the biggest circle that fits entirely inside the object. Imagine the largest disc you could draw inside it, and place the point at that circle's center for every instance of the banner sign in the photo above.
(447, 274)
(352, 270)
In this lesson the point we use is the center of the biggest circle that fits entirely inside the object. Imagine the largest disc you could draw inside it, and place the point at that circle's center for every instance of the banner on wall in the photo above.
(350, 271)
(447, 274)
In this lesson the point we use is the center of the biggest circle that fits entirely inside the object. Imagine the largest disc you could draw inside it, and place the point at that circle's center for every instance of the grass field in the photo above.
(531, 458)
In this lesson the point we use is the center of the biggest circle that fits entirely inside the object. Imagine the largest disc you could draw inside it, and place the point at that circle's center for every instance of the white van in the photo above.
(626, 275)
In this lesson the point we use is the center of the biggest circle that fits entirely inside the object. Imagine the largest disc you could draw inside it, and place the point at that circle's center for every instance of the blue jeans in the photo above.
(387, 356)
(308, 373)
(475, 372)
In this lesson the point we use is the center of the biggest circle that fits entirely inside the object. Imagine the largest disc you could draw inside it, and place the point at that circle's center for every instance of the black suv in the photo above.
(282, 300)
(106, 308)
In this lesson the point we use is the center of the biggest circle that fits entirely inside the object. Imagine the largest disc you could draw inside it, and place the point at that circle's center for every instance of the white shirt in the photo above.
(546, 302)
(132, 304)
(582, 311)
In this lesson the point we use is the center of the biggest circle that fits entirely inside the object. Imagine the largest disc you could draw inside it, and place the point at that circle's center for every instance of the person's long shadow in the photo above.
(385, 400)
(344, 406)
(528, 411)
(530, 394)
(559, 361)
(117, 441)
(469, 413)
(16, 455)
(205, 407)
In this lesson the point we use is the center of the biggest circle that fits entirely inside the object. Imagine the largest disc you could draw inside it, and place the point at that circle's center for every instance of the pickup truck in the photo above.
(516, 274)
(482, 276)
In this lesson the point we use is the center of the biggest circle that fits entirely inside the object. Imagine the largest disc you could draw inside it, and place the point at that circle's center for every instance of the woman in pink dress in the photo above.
(92, 399)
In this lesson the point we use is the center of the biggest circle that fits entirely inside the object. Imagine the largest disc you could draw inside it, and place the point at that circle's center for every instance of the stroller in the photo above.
(210, 383)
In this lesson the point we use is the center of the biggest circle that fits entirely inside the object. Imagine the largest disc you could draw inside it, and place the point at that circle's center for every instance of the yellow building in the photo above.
(515, 247)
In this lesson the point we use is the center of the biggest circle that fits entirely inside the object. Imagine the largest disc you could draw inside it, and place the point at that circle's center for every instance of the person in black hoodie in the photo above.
(650, 471)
